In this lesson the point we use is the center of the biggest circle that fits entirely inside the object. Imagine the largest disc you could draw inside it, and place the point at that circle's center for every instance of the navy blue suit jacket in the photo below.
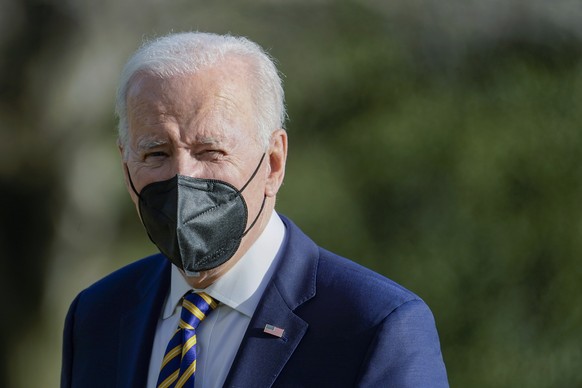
(344, 326)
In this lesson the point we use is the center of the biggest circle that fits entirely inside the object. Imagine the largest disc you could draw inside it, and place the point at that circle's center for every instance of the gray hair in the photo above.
(186, 53)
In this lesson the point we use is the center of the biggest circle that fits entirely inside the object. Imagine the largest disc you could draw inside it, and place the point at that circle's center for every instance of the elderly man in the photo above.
(238, 296)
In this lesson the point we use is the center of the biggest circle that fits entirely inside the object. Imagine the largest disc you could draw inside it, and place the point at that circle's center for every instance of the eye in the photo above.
(155, 155)
(210, 154)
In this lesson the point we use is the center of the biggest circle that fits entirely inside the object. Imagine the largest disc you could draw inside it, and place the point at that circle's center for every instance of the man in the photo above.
(203, 151)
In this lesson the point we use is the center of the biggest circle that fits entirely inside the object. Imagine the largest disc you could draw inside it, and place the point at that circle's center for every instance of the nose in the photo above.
(184, 163)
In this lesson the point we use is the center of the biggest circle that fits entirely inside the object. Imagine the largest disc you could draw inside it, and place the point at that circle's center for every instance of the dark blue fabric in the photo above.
(344, 326)
(110, 327)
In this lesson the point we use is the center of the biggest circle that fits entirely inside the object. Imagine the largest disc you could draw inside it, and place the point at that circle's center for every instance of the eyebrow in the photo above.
(208, 141)
(148, 143)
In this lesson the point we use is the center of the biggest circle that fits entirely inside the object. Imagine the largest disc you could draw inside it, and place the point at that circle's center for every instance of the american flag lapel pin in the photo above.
(273, 330)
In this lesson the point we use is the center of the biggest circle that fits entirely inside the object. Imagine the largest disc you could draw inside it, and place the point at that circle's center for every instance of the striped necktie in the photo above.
(179, 363)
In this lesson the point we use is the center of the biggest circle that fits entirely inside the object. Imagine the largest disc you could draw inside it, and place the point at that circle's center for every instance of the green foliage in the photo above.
(464, 186)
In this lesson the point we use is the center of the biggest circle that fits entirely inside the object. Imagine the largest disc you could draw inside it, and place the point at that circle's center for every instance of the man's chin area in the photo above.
(190, 274)
(203, 279)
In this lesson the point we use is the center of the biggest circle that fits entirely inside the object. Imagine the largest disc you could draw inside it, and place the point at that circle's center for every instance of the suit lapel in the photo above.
(137, 327)
(262, 356)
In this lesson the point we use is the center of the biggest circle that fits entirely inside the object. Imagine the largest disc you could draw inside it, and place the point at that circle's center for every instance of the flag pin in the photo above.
(273, 330)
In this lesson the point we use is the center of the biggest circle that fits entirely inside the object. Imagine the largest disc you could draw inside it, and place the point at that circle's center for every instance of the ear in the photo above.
(277, 156)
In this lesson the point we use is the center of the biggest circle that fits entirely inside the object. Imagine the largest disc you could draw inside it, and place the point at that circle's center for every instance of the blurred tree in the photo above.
(29, 181)
(457, 164)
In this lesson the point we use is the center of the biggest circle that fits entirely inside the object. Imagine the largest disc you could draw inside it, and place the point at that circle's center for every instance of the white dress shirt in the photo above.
(220, 334)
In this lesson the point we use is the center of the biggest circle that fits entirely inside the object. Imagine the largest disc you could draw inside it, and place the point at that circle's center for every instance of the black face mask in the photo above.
(197, 223)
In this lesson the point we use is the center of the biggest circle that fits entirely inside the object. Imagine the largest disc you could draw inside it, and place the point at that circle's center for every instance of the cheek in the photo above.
(134, 198)
(132, 195)
(137, 211)
(141, 176)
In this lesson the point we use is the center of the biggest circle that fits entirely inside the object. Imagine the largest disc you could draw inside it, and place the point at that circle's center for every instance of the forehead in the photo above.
(204, 104)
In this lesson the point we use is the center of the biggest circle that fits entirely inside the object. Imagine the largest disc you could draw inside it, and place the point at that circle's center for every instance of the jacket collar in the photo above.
(262, 356)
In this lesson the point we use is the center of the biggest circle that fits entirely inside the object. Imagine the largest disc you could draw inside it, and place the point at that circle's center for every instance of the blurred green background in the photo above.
(436, 142)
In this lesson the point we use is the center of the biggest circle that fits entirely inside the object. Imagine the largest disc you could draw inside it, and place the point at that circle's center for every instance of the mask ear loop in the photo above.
(264, 197)
(131, 182)
(256, 218)
(253, 175)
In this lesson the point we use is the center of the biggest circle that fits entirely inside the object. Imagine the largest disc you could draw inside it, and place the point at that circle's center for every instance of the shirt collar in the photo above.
(242, 286)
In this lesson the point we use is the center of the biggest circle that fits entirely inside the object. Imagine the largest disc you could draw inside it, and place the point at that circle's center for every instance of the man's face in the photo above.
(200, 126)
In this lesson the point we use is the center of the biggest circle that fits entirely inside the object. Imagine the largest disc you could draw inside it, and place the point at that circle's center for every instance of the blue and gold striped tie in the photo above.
(179, 363)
